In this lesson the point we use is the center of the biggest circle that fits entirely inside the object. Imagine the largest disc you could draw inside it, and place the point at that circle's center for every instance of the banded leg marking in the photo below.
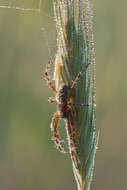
(48, 79)
(52, 101)
(55, 132)
(71, 132)
(75, 81)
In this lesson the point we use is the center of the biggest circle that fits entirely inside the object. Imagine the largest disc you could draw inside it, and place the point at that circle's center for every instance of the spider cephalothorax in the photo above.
(62, 100)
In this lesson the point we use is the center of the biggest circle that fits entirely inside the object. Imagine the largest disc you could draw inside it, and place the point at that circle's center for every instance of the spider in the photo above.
(62, 100)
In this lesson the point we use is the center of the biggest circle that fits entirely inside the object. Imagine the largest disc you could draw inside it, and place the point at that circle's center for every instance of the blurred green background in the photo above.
(28, 159)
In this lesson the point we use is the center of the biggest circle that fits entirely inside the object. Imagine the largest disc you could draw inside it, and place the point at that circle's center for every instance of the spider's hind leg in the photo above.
(55, 132)
(71, 132)
(73, 144)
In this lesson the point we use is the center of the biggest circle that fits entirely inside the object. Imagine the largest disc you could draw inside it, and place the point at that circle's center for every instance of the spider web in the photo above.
(22, 5)
(30, 5)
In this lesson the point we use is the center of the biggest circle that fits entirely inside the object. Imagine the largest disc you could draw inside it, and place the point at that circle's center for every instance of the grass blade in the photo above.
(76, 53)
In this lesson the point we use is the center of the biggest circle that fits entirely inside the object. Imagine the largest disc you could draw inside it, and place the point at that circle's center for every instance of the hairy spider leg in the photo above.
(48, 79)
(52, 101)
(75, 81)
(73, 128)
(55, 133)
(71, 140)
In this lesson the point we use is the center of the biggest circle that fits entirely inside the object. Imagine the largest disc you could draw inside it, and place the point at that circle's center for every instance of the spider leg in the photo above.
(48, 78)
(75, 81)
(52, 101)
(55, 132)
(70, 136)
(72, 132)
(71, 140)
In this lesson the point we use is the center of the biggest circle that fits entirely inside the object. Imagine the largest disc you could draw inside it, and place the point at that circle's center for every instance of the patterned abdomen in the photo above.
(62, 107)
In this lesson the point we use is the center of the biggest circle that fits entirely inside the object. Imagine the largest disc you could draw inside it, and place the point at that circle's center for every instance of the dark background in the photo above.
(28, 159)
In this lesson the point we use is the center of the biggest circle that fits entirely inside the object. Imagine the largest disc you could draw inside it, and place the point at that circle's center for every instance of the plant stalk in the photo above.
(76, 53)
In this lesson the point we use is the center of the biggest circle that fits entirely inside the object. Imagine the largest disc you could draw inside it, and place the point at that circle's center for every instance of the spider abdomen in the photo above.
(62, 107)
(63, 94)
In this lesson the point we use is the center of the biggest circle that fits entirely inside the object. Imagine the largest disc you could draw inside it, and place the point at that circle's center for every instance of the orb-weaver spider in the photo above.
(62, 100)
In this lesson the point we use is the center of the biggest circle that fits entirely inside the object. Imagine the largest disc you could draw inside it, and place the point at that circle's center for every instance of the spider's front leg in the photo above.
(48, 78)
(52, 101)
(55, 132)
(74, 84)
(76, 80)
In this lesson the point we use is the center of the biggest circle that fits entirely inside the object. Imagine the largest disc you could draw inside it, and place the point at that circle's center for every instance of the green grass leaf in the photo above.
(76, 53)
